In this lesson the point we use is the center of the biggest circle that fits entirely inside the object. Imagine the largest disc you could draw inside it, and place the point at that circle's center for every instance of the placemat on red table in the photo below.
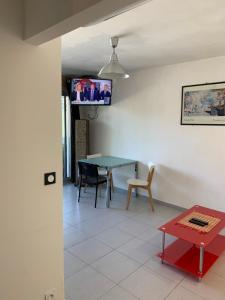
(211, 220)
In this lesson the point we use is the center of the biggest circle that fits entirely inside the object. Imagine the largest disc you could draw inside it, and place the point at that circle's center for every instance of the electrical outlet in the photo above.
(50, 294)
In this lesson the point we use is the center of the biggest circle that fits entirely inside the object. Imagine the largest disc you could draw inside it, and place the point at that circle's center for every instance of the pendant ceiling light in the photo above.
(113, 69)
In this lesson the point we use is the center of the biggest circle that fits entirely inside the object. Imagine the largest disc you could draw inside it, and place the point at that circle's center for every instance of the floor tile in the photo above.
(219, 267)
(138, 204)
(87, 284)
(118, 293)
(138, 250)
(90, 250)
(78, 216)
(114, 237)
(156, 240)
(69, 228)
(180, 293)
(133, 227)
(72, 264)
(116, 266)
(94, 226)
(65, 225)
(146, 285)
(164, 270)
(74, 237)
(212, 286)
(121, 210)
(166, 211)
(111, 219)
(148, 234)
(152, 219)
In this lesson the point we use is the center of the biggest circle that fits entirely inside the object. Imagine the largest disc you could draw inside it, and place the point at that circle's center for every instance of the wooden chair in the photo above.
(102, 171)
(89, 176)
(143, 184)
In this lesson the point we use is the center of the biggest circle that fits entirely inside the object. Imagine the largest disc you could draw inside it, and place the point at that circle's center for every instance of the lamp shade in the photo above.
(113, 70)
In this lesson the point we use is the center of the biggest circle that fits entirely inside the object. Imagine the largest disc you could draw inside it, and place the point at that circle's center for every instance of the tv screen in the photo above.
(91, 91)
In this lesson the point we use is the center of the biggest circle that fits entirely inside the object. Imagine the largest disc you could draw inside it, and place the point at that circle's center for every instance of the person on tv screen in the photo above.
(93, 93)
(77, 94)
(105, 94)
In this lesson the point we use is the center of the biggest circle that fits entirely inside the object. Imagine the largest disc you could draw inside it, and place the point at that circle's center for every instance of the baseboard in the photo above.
(120, 190)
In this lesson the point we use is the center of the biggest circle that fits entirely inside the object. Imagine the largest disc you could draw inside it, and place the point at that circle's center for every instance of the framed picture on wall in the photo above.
(203, 104)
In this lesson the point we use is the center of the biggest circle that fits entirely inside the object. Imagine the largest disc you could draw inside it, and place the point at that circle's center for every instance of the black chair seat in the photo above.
(89, 176)
(94, 180)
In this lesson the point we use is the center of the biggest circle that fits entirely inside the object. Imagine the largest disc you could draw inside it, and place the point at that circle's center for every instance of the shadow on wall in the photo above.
(143, 174)
(143, 170)
(126, 88)
(169, 181)
(121, 175)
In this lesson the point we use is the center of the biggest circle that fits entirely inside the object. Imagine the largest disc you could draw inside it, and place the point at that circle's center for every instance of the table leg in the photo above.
(108, 189)
(163, 246)
(201, 261)
(136, 176)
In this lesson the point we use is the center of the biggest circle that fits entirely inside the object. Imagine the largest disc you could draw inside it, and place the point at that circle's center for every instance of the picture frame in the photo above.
(203, 104)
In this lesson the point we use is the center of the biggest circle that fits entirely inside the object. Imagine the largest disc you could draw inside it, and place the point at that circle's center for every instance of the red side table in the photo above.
(193, 251)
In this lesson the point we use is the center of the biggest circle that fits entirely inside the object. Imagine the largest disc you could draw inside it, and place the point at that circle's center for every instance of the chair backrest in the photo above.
(87, 170)
(151, 168)
(94, 155)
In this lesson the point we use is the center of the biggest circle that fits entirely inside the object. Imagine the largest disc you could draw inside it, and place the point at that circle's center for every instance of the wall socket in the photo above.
(50, 295)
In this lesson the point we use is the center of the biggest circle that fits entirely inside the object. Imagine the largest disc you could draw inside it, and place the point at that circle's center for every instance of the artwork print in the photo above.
(203, 104)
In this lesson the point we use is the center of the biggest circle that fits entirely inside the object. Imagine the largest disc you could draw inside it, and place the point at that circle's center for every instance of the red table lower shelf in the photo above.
(185, 255)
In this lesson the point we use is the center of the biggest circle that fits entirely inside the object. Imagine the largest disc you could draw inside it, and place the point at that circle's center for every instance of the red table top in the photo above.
(192, 235)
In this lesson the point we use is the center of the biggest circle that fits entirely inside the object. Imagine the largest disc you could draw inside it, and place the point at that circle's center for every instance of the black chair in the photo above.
(89, 176)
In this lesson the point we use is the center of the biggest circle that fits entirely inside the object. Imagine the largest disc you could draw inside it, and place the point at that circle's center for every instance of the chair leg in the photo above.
(150, 199)
(100, 190)
(96, 195)
(111, 181)
(79, 192)
(110, 193)
(129, 195)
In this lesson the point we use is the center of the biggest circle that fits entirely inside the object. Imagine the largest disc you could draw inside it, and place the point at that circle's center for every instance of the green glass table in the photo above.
(109, 163)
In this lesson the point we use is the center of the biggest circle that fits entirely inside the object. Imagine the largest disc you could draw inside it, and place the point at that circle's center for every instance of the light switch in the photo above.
(50, 178)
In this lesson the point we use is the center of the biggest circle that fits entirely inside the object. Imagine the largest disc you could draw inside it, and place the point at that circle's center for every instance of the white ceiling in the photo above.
(159, 32)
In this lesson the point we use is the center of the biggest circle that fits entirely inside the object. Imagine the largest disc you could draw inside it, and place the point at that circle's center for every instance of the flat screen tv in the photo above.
(88, 91)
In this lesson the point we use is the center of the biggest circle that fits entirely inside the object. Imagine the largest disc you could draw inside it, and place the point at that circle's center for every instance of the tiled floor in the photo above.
(110, 253)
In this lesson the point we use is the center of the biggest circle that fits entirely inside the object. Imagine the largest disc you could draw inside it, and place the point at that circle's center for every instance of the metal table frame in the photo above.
(109, 163)
(201, 255)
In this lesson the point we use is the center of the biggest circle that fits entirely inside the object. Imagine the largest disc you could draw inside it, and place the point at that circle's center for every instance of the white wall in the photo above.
(143, 123)
(31, 251)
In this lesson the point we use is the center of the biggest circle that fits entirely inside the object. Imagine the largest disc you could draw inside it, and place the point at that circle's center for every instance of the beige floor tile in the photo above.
(87, 284)
(180, 293)
(148, 234)
(114, 237)
(117, 293)
(74, 237)
(90, 250)
(164, 270)
(146, 285)
(72, 264)
(133, 227)
(116, 266)
(219, 267)
(139, 250)
(212, 286)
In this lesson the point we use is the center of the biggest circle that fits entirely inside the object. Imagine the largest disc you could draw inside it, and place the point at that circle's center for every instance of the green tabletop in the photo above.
(109, 162)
